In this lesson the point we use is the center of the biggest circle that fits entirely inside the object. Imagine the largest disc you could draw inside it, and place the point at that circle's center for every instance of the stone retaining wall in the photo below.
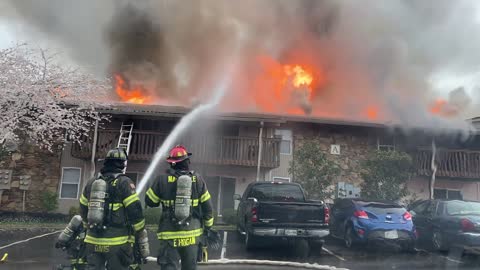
(44, 170)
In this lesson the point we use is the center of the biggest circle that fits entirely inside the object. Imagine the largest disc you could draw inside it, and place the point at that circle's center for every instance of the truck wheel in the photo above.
(316, 247)
(301, 249)
(249, 242)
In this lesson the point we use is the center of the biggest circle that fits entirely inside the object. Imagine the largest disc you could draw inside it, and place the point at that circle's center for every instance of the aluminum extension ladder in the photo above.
(125, 138)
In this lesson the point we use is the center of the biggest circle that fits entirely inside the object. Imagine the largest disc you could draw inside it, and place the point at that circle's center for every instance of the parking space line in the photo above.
(438, 255)
(26, 240)
(224, 246)
(452, 260)
(333, 254)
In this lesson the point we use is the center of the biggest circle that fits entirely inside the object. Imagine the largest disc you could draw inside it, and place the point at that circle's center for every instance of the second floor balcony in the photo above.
(215, 150)
(450, 163)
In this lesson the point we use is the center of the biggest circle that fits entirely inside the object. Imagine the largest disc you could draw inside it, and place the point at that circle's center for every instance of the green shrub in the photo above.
(312, 168)
(385, 175)
(229, 216)
(152, 215)
(49, 201)
(74, 210)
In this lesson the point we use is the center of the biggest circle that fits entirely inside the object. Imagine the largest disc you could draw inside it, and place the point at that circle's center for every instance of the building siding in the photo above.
(419, 186)
(68, 161)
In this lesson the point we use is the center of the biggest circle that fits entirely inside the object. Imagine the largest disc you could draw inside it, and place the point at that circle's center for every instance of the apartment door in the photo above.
(213, 185)
(222, 190)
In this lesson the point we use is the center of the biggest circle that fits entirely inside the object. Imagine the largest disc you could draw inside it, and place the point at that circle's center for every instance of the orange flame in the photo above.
(284, 87)
(136, 95)
(372, 113)
(300, 76)
(438, 106)
(443, 108)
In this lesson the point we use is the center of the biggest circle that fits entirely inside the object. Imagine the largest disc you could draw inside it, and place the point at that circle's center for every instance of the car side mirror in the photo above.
(237, 197)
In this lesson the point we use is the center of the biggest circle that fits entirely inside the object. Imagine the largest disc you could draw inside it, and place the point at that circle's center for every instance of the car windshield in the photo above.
(383, 209)
(463, 208)
(278, 192)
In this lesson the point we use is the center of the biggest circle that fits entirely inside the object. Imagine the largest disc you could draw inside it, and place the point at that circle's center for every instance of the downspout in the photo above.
(478, 191)
(434, 168)
(260, 150)
(94, 149)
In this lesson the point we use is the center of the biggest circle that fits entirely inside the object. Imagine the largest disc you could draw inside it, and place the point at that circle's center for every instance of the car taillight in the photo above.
(407, 216)
(467, 225)
(361, 214)
(254, 217)
(326, 212)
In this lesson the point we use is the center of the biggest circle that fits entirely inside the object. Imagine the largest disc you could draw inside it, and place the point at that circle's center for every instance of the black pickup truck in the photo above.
(280, 211)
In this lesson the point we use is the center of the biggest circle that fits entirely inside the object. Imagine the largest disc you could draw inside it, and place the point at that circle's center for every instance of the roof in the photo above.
(178, 111)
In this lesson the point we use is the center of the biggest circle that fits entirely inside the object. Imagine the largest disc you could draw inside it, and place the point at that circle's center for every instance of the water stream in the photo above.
(219, 91)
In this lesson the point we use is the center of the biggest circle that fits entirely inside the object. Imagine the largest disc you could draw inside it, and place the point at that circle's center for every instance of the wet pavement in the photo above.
(40, 254)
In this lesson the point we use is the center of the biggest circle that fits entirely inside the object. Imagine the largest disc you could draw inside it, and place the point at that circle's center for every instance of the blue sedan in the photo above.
(359, 221)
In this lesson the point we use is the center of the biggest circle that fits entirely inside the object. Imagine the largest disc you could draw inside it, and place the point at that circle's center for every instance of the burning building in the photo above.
(344, 72)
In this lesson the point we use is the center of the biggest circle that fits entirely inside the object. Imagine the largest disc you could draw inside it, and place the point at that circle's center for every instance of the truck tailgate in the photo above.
(291, 212)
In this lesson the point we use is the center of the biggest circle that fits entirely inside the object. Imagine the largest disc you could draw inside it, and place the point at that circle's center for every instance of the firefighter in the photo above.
(187, 212)
(112, 212)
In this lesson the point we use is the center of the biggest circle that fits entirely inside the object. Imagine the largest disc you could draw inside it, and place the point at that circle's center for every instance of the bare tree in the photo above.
(42, 101)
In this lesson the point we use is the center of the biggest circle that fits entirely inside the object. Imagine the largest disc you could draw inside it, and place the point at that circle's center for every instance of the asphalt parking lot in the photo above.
(38, 253)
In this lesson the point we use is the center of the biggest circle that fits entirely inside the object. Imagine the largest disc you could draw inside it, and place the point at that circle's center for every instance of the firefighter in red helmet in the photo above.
(187, 212)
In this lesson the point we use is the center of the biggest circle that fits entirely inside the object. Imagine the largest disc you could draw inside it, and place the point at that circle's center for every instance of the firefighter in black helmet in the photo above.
(187, 212)
(112, 212)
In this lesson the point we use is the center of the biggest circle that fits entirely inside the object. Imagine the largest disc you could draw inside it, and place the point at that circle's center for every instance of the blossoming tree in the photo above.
(42, 101)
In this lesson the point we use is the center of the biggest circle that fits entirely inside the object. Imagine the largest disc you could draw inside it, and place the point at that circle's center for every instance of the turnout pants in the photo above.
(169, 256)
(114, 257)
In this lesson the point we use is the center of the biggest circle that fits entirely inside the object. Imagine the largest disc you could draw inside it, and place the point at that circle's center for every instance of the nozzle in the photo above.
(4, 258)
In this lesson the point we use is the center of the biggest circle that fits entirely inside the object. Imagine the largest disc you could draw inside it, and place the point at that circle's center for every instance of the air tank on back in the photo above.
(96, 204)
(73, 228)
(183, 198)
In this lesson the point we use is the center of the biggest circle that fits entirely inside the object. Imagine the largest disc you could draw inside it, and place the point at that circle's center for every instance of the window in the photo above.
(421, 208)
(462, 208)
(386, 142)
(277, 192)
(286, 144)
(447, 194)
(440, 208)
(70, 183)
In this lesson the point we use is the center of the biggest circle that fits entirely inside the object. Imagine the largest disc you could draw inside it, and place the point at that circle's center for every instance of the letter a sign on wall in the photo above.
(335, 149)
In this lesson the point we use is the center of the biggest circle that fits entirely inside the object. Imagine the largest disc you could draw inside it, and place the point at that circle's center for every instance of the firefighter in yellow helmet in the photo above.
(187, 211)
(112, 212)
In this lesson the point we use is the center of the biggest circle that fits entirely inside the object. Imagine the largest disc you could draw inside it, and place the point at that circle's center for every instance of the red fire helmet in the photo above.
(177, 154)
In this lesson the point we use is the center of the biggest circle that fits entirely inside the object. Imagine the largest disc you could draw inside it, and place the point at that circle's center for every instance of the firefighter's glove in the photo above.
(214, 240)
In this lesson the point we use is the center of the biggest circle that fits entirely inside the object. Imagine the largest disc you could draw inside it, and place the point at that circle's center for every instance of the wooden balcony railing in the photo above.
(450, 163)
(241, 151)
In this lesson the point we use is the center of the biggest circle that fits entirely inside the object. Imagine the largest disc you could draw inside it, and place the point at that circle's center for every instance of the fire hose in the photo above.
(263, 262)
